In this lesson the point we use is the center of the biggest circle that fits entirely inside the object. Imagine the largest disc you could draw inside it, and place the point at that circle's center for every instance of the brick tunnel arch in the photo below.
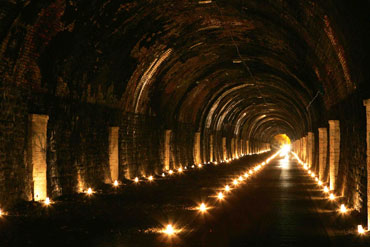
(171, 72)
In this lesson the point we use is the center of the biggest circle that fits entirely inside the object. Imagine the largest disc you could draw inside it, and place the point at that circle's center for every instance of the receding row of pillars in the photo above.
(304, 147)
(38, 142)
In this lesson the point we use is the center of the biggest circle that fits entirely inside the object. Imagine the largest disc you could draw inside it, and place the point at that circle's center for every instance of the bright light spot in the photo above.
(169, 230)
(200, 165)
(235, 182)
(115, 184)
(150, 178)
(250, 172)
(343, 209)
(319, 183)
(216, 163)
(136, 180)
(2, 213)
(170, 172)
(220, 196)
(163, 175)
(285, 150)
(360, 229)
(89, 191)
(326, 189)
(192, 166)
(316, 179)
(240, 178)
(185, 168)
(227, 188)
(180, 170)
(309, 171)
(47, 201)
(331, 196)
(202, 208)
(246, 174)
(313, 175)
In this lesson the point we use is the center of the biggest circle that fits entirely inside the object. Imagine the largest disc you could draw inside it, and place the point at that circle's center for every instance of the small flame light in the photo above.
(180, 170)
(343, 209)
(246, 174)
(227, 188)
(170, 172)
(89, 192)
(199, 165)
(203, 207)
(136, 180)
(1, 212)
(240, 178)
(319, 183)
(150, 178)
(235, 182)
(163, 175)
(326, 189)
(47, 201)
(331, 196)
(360, 229)
(312, 175)
(169, 230)
(115, 184)
(250, 172)
(220, 196)
(192, 166)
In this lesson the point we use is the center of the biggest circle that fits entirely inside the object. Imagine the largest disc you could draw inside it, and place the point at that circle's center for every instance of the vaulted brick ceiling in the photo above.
(243, 67)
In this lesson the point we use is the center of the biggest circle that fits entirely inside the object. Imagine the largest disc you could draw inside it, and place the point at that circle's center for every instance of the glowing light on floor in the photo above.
(326, 189)
(115, 183)
(360, 229)
(331, 196)
(220, 196)
(227, 188)
(47, 201)
(343, 209)
(89, 192)
(202, 207)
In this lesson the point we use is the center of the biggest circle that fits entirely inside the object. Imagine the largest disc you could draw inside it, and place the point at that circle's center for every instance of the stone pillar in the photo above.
(196, 152)
(224, 148)
(323, 151)
(247, 146)
(113, 152)
(334, 148)
(232, 147)
(211, 148)
(167, 149)
(304, 149)
(310, 148)
(37, 151)
(367, 105)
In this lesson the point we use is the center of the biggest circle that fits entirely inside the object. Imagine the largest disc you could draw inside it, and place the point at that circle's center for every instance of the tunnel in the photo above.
(108, 107)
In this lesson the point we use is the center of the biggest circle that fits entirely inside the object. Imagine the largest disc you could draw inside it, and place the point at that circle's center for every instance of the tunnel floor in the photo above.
(279, 206)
